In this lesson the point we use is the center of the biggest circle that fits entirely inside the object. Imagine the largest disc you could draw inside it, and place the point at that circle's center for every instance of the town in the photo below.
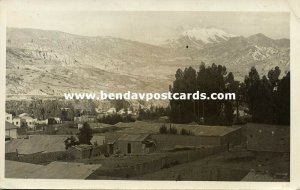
(143, 149)
(242, 134)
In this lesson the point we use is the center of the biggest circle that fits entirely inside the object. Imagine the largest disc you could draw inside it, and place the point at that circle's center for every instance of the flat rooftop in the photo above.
(54, 170)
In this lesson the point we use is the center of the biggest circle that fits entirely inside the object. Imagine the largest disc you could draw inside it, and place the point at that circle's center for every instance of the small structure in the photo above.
(42, 122)
(135, 144)
(98, 140)
(219, 136)
(53, 120)
(17, 121)
(30, 122)
(84, 118)
(10, 131)
(268, 138)
(110, 142)
(111, 111)
(8, 117)
(201, 135)
(122, 111)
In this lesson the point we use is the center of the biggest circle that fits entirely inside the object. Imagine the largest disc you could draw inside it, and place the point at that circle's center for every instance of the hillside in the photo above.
(49, 63)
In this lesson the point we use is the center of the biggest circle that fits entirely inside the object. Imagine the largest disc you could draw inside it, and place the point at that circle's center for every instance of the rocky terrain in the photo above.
(49, 63)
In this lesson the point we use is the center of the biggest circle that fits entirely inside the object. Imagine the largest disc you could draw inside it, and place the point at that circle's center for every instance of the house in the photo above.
(85, 118)
(64, 109)
(29, 121)
(98, 139)
(10, 131)
(17, 121)
(111, 111)
(122, 111)
(42, 122)
(202, 135)
(135, 144)
(53, 120)
(8, 117)
(110, 142)
(268, 138)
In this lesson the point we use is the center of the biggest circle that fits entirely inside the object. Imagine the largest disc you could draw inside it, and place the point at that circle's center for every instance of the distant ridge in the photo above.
(54, 62)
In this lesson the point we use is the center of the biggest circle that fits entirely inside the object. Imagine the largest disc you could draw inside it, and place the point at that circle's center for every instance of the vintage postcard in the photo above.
(149, 94)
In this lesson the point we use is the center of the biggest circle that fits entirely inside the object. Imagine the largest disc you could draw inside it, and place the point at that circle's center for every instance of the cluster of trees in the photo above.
(84, 136)
(207, 80)
(115, 118)
(153, 113)
(121, 104)
(173, 130)
(267, 97)
(43, 109)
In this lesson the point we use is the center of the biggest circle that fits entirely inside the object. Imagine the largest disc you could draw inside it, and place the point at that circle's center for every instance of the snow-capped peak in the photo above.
(207, 35)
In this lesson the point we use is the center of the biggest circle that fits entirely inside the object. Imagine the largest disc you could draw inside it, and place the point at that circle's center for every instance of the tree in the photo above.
(283, 108)
(85, 134)
(208, 80)
(252, 82)
(273, 76)
(269, 97)
(163, 129)
(71, 141)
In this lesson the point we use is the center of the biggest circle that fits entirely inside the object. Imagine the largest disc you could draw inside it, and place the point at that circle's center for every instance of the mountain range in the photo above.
(49, 63)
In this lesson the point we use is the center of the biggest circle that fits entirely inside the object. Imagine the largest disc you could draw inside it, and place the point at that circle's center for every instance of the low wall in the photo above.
(169, 160)
(40, 158)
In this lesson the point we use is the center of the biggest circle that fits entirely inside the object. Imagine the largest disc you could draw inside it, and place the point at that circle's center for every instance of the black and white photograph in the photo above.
(148, 95)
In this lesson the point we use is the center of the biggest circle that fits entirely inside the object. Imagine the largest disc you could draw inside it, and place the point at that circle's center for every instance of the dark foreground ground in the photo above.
(224, 166)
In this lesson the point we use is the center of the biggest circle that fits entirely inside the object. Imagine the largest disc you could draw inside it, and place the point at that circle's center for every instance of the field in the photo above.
(224, 166)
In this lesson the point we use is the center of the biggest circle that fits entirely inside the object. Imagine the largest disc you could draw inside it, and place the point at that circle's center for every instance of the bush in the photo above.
(163, 129)
(85, 134)
(115, 118)
(172, 130)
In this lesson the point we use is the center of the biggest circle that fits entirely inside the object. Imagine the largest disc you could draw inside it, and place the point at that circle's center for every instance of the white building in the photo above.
(8, 117)
(53, 120)
(85, 118)
(111, 111)
(122, 112)
(17, 121)
(31, 122)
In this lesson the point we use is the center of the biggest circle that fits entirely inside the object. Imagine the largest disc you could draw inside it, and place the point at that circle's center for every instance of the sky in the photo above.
(151, 27)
